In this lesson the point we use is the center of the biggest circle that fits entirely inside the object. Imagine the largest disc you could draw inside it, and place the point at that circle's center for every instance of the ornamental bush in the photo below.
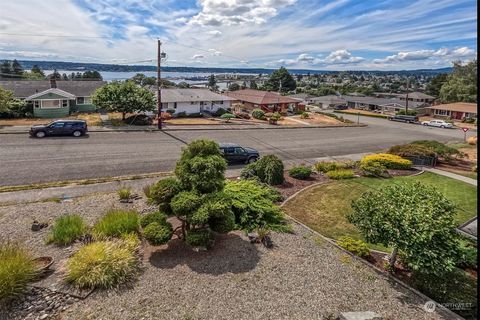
(269, 170)
(219, 112)
(412, 150)
(199, 237)
(357, 247)
(162, 192)
(390, 161)
(117, 222)
(374, 169)
(151, 217)
(102, 264)
(158, 233)
(441, 149)
(227, 116)
(17, 269)
(300, 172)
(66, 229)
(258, 114)
(340, 174)
(467, 257)
(325, 166)
(304, 115)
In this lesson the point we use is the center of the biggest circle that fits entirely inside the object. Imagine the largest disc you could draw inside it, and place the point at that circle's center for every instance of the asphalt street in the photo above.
(25, 160)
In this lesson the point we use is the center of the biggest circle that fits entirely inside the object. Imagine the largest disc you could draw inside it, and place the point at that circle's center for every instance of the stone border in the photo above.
(382, 273)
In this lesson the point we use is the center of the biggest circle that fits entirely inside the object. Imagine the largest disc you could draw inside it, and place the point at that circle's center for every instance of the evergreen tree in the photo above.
(6, 69)
(212, 83)
(253, 85)
(461, 84)
(281, 80)
(37, 70)
(17, 68)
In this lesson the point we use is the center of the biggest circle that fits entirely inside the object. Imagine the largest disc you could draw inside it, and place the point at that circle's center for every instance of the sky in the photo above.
(307, 34)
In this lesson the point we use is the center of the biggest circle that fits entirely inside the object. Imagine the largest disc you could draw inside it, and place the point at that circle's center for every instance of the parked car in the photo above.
(437, 123)
(341, 107)
(235, 153)
(403, 118)
(76, 128)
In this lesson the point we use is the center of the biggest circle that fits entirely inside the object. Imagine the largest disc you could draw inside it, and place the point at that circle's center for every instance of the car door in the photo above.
(240, 155)
(56, 128)
(69, 127)
(229, 154)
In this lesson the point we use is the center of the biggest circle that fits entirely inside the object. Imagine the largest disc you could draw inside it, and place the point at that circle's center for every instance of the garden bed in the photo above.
(292, 185)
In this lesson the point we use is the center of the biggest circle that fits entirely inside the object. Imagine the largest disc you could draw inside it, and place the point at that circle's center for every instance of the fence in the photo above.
(423, 161)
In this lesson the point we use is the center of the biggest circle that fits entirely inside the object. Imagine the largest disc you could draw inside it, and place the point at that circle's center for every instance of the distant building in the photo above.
(457, 110)
(193, 101)
(265, 100)
(55, 99)
(328, 102)
(304, 98)
(417, 97)
(383, 105)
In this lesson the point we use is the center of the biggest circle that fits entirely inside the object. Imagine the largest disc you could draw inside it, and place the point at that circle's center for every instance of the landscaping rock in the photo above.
(362, 315)
(37, 226)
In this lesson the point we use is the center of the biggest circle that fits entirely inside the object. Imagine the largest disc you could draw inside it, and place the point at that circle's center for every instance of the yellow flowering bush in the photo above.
(389, 161)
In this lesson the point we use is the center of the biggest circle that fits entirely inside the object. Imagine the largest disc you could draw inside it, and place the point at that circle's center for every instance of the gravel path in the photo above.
(302, 277)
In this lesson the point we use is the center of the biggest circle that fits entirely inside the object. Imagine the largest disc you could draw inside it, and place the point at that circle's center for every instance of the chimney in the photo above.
(53, 83)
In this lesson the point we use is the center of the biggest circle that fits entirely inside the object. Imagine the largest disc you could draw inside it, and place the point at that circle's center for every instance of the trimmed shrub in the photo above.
(325, 166)
(115, 223)
(151, 217)
(340, 174)
(300, 172)
(102, 264)
(258, 114)
(185, 203)
(304, 115)
(442, 150)
(374, 169)
(224, 224)
(199, 238)
(158, 233)
(66, 229)
(412, 150)
(17, 269)
(467, 256)
(182, 114)
(389, 161)
(269, 170)
(139, 120)
(162, 192)
(243, 115)
(357, 247)
(227, 116)
(171, 111)
(124, 193)
(219, 112)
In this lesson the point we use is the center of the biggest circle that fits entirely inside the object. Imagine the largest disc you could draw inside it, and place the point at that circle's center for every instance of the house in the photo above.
(328, 102)
(55, 99)
(417, 97)
(304, 98)
(265, 100)
(457, 110)
(193, 101)
(383, 105)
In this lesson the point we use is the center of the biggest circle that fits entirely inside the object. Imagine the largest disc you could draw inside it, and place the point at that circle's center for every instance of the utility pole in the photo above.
(159, 89)
(406, 100)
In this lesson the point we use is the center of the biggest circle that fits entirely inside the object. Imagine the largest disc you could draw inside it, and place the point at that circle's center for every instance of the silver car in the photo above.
(437, 123)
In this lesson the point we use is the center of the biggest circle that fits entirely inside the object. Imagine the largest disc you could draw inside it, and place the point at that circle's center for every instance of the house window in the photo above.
(442, 112)
(50, 104)
(64, 103)
(80, 100)
(193, 102)
(174, 105)
(36, 104)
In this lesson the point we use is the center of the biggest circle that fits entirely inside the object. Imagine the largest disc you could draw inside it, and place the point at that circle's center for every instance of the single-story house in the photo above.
(304, 98)
(55, 99)
(266, 100)
(193, 101)
(417, 97)
(457, 110)
(328, 102)
(383, 105)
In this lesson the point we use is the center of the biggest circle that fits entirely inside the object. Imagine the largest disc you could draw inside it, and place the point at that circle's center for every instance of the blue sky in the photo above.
(326, 35)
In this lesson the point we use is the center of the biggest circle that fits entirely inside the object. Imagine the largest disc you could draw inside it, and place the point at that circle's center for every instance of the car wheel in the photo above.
(40, 134)
(443, 127)
(77, 133)
(252, 159)
(425, 124)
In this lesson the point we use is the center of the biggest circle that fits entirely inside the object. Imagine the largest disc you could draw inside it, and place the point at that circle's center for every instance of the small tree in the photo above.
(212, 83)
(413, 219)
(8, 103)
(234, 87)
(124, 97)
(227, 117)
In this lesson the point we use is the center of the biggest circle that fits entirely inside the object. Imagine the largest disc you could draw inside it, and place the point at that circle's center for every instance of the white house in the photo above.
(193, 100)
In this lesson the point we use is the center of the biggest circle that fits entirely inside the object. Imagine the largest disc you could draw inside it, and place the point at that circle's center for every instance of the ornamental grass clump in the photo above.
(66, 229)
(102, 264)
(357, 247)
(116, 222)
(340, 174)
(124, 193)
(17, 269)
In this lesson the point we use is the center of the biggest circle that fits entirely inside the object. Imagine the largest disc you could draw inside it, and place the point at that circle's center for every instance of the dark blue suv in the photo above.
(76, 128)
(235, 153)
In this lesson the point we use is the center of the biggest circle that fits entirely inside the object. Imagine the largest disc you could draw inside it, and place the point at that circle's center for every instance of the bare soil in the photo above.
(292, 185)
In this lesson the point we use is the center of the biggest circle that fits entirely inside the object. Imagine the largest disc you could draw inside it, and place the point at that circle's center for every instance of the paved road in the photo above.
(24, 160)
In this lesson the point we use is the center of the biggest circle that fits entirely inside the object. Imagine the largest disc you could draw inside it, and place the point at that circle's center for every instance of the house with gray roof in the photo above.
(55, 99)
(328, 102)
(384, 105)
(192, 101)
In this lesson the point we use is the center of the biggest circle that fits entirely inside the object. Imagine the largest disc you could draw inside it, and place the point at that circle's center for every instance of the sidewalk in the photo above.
(451, 175)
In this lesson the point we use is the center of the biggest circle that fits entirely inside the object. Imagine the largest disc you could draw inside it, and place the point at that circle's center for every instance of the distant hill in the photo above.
(81, 66)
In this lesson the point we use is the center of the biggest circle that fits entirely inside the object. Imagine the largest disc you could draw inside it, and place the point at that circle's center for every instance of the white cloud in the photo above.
(197, 56)
(463, 52)
(334, 58)
(341, 57)
(215, 33)
(215, 52)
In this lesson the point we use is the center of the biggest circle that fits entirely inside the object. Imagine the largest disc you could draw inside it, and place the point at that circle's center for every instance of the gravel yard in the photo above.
(302, 277)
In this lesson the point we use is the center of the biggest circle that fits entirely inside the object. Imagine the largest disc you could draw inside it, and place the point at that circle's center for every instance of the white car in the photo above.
(437, 123)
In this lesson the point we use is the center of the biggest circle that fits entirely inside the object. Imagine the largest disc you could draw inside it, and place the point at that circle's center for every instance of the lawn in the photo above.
(93, 119)
(324, 207)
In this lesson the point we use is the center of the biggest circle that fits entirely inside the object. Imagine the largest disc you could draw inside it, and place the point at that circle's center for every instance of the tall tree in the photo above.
(37, 70)
(17, 68)
(212, 83)
(281, 80)
(55, 75)
(234, 87)
(435, 84)
(461, 85)
(6, 69)
(253, 85)
(124, 97)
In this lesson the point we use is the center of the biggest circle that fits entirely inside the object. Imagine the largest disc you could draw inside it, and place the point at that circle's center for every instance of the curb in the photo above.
(207, 129)
(450, 313)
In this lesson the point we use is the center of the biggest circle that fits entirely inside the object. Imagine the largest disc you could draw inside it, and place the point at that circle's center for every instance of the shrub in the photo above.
(171, 111)
(300, 172)
(124, 193)
(390, 161)
(408, 113)
(325, 166)
(304, 115)
(182, 114)
(151, 217)
(374, 169)
(219, 112)
(103, 264)
(162, 192)
(467, 256)
(269, 170)
(67, 229)
(412, 150)
(357, 247)
(158, 233)
(242, 115)
(442, 150)
(340, 174)
(253, 206)
(115, 223)
(146, 190)
(17, 269)
(195, 115)
(227, 116)
(139, 120)
(199, 238)
(258, 114)
(276, 116)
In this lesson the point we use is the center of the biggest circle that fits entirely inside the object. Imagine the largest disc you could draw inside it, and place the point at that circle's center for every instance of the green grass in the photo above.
(67, 229)
(116, 223)
(17, 269)
(324, 208)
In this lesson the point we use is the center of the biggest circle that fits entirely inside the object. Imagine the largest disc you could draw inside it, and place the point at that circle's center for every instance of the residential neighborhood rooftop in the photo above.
(457, 106)
(260, 97)
(194, 95)
(26, 88)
